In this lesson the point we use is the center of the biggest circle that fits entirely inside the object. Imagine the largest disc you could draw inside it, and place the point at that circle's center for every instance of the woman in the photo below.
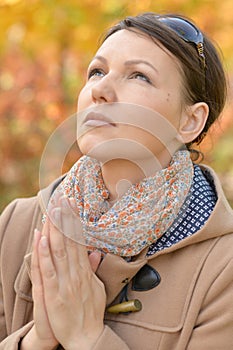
(157, 272)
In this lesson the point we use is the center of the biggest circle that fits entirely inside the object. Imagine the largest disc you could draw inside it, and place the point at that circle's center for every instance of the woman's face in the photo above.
(131, 69)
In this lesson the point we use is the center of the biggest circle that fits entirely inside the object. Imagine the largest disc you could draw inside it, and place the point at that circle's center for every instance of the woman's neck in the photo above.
(120, 174)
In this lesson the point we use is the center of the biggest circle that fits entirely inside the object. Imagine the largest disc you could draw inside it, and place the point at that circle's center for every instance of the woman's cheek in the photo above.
(84, 99)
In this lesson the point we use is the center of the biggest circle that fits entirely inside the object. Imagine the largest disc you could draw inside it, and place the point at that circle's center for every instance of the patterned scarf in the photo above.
(141, 216)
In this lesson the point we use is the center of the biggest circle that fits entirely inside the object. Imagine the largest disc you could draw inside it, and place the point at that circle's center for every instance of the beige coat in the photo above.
(192, 307)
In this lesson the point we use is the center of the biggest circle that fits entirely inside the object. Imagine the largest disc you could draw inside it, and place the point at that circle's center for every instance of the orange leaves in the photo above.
(45, 47)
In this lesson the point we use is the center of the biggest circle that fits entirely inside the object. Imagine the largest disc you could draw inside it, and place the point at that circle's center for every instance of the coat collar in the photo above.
(219, 223)
(114, 271)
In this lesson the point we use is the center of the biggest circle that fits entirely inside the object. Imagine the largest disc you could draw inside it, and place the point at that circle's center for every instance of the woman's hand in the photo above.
(41, 335)
(74, 297)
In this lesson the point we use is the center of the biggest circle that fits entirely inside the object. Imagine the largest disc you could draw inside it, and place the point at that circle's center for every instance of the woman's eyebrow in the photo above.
(100, 58)
(139, 61)
(127, 63)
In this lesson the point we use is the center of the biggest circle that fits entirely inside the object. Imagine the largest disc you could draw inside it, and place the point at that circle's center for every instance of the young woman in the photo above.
(157, 269)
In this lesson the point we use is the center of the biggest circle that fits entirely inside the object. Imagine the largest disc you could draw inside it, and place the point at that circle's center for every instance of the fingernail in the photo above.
(36, 234)
(44, 242)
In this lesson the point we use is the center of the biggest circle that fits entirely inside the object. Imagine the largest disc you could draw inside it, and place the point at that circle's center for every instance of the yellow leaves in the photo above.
(45, 46)
(138, 6)
(6, 80)
(8, 2)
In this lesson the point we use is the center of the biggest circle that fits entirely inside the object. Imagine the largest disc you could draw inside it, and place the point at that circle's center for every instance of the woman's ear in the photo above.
(192, 121)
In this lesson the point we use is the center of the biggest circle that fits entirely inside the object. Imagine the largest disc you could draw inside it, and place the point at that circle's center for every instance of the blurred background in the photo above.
(45, 47)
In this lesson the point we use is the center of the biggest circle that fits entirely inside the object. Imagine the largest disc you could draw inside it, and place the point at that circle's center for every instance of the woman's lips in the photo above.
(94, 119)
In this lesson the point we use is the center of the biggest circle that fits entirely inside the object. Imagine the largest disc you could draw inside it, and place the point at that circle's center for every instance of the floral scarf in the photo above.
(141, 216)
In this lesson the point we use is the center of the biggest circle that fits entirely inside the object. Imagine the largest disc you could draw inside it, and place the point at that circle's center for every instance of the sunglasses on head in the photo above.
(186, 31)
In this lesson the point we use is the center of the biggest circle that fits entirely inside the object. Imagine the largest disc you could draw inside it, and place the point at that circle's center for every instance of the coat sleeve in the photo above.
(15, 222)
(13, 340)
(109, 337)
(214, 324)
(4, 219)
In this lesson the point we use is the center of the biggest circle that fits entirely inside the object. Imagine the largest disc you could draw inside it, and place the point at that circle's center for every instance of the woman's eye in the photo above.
(95, 72)
(140, 76)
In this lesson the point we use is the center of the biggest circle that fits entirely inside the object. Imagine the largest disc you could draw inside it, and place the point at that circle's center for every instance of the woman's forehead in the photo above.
(135, 44)
(131, 42)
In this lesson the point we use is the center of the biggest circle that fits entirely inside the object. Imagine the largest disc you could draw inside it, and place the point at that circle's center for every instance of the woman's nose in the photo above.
(104, 92)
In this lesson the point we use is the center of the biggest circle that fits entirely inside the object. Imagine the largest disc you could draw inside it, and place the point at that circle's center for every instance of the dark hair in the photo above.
(212, 78)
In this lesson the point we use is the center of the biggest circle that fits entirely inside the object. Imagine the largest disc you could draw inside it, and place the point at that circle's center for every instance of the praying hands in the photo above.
(69, 299)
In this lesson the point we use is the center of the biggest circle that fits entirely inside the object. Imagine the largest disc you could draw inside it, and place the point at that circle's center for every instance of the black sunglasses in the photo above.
(186, 31)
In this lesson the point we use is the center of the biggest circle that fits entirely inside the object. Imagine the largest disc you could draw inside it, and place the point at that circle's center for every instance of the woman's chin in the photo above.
(92, 146)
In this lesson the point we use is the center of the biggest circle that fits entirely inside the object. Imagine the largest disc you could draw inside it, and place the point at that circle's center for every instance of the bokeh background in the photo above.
(45, 47)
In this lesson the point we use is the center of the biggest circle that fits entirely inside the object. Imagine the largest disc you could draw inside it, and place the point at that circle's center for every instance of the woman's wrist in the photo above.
(32, 341)
(84, 343)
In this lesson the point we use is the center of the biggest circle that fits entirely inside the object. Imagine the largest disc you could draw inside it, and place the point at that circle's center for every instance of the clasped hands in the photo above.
(69, 299)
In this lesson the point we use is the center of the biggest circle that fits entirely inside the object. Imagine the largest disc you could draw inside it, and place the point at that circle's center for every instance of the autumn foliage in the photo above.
(45, 47)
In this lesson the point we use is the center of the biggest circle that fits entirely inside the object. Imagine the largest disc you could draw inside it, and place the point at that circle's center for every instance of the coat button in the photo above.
(125, 307)
(146, 279)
